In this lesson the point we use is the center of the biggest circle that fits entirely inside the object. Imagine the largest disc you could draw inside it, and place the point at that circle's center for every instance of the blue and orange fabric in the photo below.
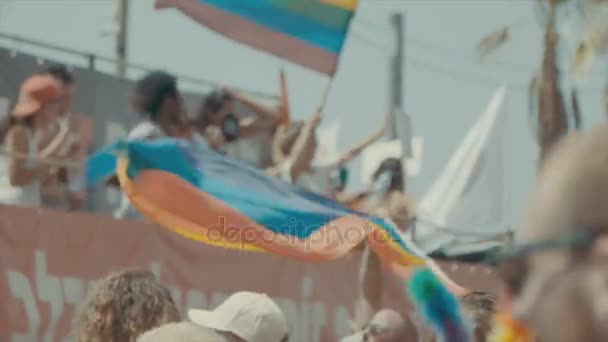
(306, 32)
(214, 199)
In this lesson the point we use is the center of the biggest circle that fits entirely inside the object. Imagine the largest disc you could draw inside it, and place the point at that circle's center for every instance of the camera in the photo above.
(230, 127)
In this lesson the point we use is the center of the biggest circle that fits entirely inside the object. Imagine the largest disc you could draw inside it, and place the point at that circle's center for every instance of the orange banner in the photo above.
(49, 259)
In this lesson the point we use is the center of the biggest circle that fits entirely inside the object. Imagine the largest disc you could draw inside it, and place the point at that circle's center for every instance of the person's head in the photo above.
(157, 98)
(479, 308)
(564, 233)
(123, 306)
(578, 298)
(38, 102)
(393, 169)
(245, 317)
(217, 111)
(181, 332)
(215, 107)
(386, 326)
(62, 74)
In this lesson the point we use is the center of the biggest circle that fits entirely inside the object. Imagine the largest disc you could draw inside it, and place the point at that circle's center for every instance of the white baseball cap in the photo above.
(181, 332)
(254, 317)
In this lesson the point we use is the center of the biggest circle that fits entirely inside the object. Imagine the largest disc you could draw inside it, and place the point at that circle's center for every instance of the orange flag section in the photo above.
(191, 197)
(175, 204)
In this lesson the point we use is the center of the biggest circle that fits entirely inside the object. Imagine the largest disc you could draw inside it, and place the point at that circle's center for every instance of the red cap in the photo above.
(35, 92)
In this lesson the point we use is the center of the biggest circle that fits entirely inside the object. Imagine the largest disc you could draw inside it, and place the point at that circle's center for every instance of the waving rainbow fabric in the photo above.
(215, 199)
(306, 32)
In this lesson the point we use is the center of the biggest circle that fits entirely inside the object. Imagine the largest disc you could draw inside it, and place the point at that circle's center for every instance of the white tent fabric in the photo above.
(466, 203)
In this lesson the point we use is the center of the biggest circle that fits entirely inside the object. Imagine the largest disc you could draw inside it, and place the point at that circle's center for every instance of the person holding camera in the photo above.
(216, 123)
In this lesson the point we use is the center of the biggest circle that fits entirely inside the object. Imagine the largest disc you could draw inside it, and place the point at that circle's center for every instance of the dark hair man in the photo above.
(157, 99)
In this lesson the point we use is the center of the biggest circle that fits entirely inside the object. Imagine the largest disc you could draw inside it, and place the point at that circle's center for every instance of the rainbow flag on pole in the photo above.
(217, 200)
(306, 32)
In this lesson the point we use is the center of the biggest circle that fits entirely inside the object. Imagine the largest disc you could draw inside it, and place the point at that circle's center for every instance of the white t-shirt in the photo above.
(146, 130)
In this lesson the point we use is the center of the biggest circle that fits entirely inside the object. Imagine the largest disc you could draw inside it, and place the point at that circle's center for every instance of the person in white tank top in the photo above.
(22, 164)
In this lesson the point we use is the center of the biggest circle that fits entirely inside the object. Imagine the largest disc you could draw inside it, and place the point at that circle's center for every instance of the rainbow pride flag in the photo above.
(217, 200)
(306, 32)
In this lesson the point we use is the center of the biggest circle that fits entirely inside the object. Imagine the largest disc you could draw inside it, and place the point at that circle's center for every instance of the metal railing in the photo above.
(91, 59)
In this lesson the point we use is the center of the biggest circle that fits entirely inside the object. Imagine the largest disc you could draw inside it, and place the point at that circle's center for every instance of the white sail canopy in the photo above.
(466, 203)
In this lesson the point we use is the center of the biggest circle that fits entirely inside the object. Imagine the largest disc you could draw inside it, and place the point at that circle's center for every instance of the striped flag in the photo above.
(217, 200)
(310, 33)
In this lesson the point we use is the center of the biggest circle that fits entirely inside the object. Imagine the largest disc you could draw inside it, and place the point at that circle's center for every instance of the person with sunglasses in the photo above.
(217, 123)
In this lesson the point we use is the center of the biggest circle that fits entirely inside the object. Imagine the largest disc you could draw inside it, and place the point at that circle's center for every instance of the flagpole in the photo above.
(284, 112)
(325, 95)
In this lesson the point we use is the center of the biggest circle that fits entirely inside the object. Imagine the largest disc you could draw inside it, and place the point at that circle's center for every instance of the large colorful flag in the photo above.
(212, 198)
(306, 32)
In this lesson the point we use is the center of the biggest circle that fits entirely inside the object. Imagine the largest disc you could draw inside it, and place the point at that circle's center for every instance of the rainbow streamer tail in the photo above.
(507, 329)
(439, 306)
(169, 181)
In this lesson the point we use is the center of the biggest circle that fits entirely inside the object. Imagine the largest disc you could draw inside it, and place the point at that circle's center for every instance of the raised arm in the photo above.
(369, 291)
(278, 156)
(263, 118)
(354, 151)
(305, 145)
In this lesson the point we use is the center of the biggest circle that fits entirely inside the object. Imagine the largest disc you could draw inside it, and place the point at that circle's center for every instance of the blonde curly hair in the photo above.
(123, 306)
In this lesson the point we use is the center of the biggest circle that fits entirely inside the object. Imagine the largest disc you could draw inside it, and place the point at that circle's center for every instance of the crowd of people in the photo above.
(131, 305)
(556, 275)
(42, 166)
(555, 282)
(43, 152)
